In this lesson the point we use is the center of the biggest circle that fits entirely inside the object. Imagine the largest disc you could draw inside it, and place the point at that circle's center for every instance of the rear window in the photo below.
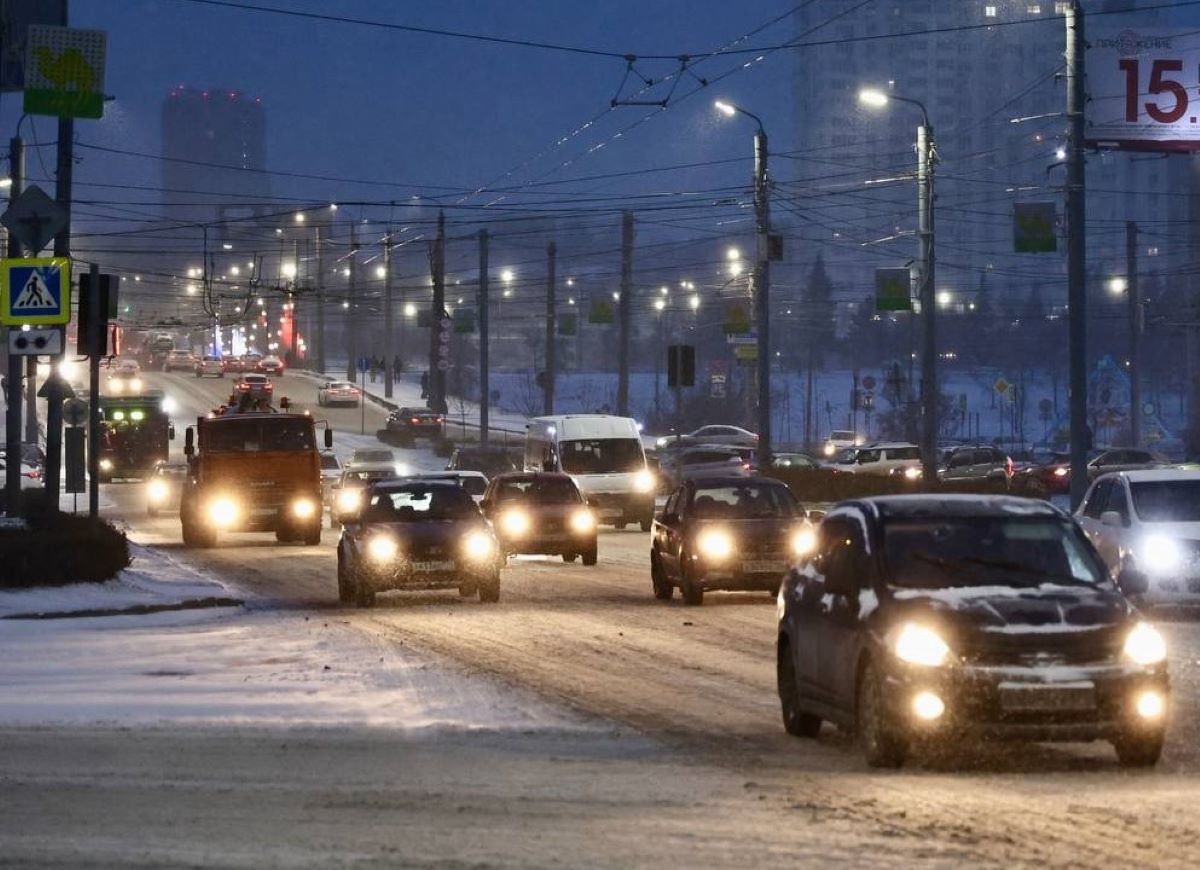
(904, 453)
(841, 435)
(373, 456)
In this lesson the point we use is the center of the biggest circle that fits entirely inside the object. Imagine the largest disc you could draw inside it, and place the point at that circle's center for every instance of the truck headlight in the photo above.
(715, 544)
(643, 481)
(1144, 645)
(304, 508)
(348, 500)
(157, 491)
(382, 548)
(1160, 553)
(582, 522)
(222, 511)
(912, 473)
(515, 523)
(918, 645)
(106, 464)
(804, 542)
(478, 546)
(135, 384)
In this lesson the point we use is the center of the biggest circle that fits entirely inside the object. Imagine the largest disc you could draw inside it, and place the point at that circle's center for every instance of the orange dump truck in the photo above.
(252, 472)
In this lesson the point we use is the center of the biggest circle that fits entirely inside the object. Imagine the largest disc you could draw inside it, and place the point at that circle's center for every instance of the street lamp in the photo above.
(762, 278)
(926, 158)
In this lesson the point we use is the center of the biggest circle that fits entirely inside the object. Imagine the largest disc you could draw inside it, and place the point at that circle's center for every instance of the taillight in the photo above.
(1008, 466)
(33, 475)
(416, 420)
(438, 420)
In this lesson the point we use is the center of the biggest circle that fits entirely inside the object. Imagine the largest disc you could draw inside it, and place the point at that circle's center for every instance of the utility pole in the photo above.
(389, 314)
(762, 294)
(95, 338)
(320, 349)
(928, 296)
(1136, 325)
(438, 335)
(484, 379)
(1076, 253)
(352, 311)
(625, 313)
(54, 382)
(12, 475)
(292, 297)
(550, 373)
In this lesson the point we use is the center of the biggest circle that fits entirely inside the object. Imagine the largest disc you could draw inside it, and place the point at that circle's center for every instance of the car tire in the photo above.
(882, 746)
(1139, 750)
(795, 721)
(467, 588)
(284, 535)
(345, 584)
(690, 587)
(489, 589)
(364, 595)
(663, 589)
(590, 555)
(570, 557)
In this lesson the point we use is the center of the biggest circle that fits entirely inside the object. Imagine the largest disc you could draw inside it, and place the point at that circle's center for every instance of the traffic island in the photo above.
(56, 549)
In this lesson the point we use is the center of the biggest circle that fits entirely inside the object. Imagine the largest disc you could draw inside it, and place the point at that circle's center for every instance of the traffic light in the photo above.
(681, 365)
(108, 308)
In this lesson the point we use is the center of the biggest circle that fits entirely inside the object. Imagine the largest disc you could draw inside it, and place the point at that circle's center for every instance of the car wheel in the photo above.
(690, 586)
(882, 746)
(590, 554)
(1139, 750)
(663, 590)
(345, 584)
(364, 595)
(570, 557)
(489, 589)
(795, 721)
(284, 536)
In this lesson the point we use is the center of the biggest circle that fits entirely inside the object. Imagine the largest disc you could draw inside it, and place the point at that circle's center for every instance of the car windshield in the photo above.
(372, 456)
(1167, 501)
(419, 504)
(602, 456)
(538, 490)
(744, 502)
(258, 435)
(943, 552)
(846, 456)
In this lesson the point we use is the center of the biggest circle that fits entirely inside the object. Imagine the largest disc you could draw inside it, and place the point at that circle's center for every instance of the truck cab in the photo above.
(135, 433)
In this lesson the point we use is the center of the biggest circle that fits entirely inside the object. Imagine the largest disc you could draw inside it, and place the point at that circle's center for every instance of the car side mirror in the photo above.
(1133, 582)
(328, 439)
(1111, 518)
(668, 519)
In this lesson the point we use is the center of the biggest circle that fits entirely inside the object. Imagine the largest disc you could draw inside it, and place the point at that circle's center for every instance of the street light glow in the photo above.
(945, 297)
(507, 276)
(724, 108)
(299, 217)
(873, 97)
(694, 302)
(733, 254)
(288, 270)
(410, 310)
(1117, 286)
(380, 272)
(660, 304)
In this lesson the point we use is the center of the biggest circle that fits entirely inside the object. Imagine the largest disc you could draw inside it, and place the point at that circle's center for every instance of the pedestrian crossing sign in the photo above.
(36, 291)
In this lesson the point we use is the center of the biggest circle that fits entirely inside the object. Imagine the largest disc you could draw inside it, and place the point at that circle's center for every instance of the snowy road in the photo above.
(655, 739)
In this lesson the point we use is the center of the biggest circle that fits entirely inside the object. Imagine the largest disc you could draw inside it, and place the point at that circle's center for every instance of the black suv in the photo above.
(925, 618)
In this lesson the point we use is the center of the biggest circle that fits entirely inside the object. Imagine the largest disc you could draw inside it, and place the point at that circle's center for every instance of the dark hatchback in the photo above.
(406, 425)
(923, 619)
(416, 535)
(729, 533)
(541, 513)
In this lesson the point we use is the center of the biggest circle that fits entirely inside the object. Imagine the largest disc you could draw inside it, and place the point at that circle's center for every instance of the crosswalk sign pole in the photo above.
(12, 482)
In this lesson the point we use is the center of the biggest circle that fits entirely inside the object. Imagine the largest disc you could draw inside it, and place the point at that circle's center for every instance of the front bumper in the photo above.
(1052, 703)
(758, 574)
(547, 543)
(434, 573)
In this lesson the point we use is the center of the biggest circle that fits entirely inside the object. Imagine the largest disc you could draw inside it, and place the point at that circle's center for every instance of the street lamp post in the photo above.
(762, 279)
(926, 158)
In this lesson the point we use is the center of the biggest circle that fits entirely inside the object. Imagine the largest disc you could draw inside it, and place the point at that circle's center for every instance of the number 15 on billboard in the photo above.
(1145, 90)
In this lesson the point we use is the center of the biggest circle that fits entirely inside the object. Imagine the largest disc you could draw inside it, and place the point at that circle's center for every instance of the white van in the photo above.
(604, 455)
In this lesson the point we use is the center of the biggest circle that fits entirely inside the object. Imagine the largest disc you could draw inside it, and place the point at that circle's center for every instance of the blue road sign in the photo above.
(363, 364)
(35, 291)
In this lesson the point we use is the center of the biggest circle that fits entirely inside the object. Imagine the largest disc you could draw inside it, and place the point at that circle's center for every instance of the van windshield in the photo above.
(602, 456)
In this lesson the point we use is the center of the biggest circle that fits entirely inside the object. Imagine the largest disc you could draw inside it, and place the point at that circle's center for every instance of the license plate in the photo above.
(432, 566)
(764, 566)
(1021, 697)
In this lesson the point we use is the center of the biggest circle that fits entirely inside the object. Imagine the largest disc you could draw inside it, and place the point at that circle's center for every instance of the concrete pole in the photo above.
(762, 296)
(928, 296)
(62, 248)
(320, 342)
(95, 339)
(551, 317)
(485, 399)
(1135, 334)
(625, 314)
(12, 475)
(352, 349)
(389, 316)
(437, 330)
(1081, 436)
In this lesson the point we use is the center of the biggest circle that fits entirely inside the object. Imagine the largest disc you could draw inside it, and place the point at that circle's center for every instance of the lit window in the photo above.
(1033, 8)
(989, 11)
(1152, 251)
(1062, 7)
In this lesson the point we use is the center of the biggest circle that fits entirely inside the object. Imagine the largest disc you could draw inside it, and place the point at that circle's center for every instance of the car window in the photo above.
(1097, 500)
(539, 490)
(744, 501)
(1119, 502)
(329, 462)
(960, 459)
(841, 550)
(1167, 501)
(416, 505)
(672, 505)
(866, 456)
(904, 453)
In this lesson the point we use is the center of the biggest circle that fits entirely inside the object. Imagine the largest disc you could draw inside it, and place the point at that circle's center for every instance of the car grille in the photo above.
(1041, 649)
(264, 493)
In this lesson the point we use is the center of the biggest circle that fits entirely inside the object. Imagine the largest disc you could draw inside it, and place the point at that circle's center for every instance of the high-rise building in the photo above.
(215, 155)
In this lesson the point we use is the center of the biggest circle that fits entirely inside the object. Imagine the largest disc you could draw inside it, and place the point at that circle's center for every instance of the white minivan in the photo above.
(604, 455)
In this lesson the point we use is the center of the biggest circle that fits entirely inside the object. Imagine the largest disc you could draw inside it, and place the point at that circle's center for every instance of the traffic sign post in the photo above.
(36, 292)
(34, 219)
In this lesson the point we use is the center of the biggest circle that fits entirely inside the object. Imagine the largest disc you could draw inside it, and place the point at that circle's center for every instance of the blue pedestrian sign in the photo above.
(35, 292)
(363, 364)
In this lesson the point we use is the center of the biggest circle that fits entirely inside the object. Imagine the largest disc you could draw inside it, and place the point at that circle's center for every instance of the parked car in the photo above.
(339, 393)
(31, 475)
(415, 534)
(895, 458)
(491, 460)
(210, 366)
(839, 439)
(31, 454)
(936, 618)
(976, 463)
(406, 425)
(269, 365)
(693, 462)
(726, 532)
(1149, 521)
(179, 360)
(164, 487)
(541, 512)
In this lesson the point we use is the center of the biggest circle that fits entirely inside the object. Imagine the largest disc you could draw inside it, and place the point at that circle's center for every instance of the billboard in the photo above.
(15, 18)
(1145, 90)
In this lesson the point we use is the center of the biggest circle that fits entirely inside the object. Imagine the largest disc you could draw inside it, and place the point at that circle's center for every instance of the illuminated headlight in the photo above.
(804, 542)
(662, 442)
(515, 523)
(135, 384)
(928, 706)
(401, 469)
(1150, 705)
(68, 369)
(157, 490)
(918, 645)
(303, 508)
(1061, 472)
(715, 544)
(1145, 646)
(582, 522)
(1160, 553)
(115, 385)
(106, 465)
(913, 473)
(382, 548)
(477, 546)
(830, 450)
(222, 512)
(348, 500)
(643, 481)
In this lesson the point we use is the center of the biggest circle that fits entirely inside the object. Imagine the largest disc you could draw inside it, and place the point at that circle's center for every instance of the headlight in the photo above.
(135, 384)
(643, 481)
(715, 544)
(1145, 646)
(348, 500)
(515, 523)
(106, 465)
(804, 542)
(830, 450)
(582, 521)
(1061, 472)
(222, 512)
(912, 473)
(116, 385)
(382, 548)
(478, 546)
(918, 645)
(157, 490)
(1160, 553)
(401, 469)
(303, 508)
(67, 369)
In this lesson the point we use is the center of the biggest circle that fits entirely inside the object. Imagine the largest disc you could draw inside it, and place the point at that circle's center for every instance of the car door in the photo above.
(839, 625)
(1115, 540)
(1093, 504)
(669, 535)
(957, 467)
(810, 609)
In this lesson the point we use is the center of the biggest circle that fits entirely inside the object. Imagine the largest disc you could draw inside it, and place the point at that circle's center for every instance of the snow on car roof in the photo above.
(893, 506)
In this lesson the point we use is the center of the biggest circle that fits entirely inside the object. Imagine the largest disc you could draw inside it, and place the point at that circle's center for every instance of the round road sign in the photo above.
(75, 412)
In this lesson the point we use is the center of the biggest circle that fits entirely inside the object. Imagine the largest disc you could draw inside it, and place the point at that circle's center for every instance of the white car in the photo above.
(331, 473)
(884, 459)
(210, 366)
(1148, 521)
(339, 393)
(839, 439)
